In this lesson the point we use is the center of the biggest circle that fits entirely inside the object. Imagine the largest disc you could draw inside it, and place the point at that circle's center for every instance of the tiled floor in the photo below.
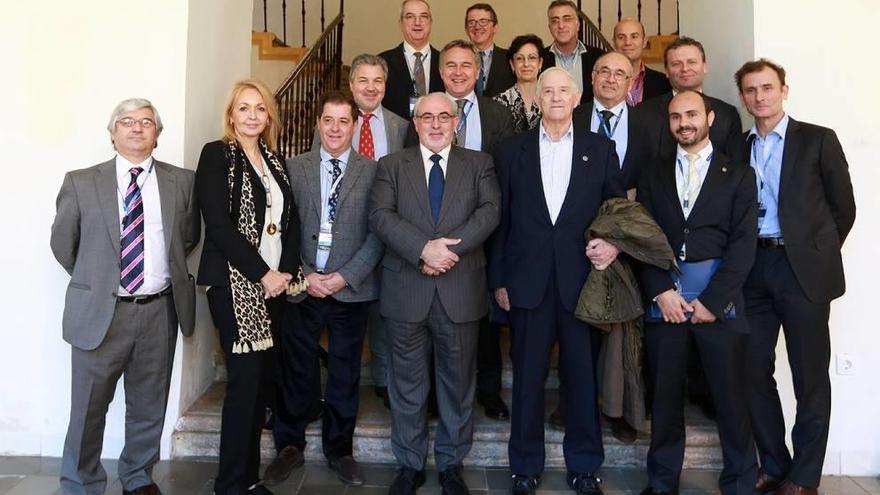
(39, 476)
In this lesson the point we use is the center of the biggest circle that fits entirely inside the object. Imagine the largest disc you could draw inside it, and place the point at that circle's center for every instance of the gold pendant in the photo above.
(271, 229)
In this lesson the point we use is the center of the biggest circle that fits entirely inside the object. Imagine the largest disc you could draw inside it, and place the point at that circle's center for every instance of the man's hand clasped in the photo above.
(436, 257)
(601, 253)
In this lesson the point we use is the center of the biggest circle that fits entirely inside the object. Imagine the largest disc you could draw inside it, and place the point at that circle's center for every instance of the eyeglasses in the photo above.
(617, 75)
(481, 22)
(411, 18)
(145, 122)
(429, 118)
(520, 59)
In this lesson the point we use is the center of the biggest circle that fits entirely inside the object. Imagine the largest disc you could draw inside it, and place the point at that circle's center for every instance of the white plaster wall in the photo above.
(831, 84)
(65, 68)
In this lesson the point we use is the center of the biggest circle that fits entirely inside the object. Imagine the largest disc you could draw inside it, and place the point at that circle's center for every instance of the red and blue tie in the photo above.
(131, 263)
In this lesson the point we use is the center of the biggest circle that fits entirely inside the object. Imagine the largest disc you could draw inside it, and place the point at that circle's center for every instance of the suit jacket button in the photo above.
(311, 265)
(314, 237)
(687, 230)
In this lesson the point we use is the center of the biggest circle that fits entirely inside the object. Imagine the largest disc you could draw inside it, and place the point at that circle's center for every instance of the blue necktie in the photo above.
(605, 124)
(333, 201)
(131, 262)
(435, 187)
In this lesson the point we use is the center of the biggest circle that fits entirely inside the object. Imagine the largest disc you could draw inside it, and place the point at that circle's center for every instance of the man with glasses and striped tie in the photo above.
(123, 230)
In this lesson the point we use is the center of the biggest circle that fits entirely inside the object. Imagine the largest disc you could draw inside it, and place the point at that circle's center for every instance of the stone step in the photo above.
(197, 435)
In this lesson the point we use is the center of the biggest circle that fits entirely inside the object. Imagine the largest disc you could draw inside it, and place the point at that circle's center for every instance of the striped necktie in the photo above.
(131, 263)
(333, 201)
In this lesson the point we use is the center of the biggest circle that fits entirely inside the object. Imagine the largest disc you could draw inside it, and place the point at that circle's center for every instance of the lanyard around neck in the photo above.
(613, 130)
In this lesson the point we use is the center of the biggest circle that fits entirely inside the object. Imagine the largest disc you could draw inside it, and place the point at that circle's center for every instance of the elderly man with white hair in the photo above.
(123, 230)
(553, 179)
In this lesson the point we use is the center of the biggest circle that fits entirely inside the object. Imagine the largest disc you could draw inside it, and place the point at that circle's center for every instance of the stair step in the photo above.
(197, 435)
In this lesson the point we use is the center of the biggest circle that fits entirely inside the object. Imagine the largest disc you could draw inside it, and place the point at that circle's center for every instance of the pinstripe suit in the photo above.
(442, 312)
(354, 255)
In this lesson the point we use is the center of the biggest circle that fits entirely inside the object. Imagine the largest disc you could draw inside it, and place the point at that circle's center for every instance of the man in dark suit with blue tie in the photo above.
(433, 206)
(705, 205)
(806, 209)
(553, 180)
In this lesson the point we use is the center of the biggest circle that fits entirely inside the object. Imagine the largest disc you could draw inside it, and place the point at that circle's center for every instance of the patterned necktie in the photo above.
(605, 125)
(419, 75)
(461, 133)
(365, 145)
(334, 193)
(131, 263)
(693, 182)
(481, 80)
(436, 181)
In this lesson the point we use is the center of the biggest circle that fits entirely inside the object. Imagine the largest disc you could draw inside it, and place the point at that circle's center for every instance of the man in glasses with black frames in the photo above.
(413, 65)
(433, 206)
(494, 74)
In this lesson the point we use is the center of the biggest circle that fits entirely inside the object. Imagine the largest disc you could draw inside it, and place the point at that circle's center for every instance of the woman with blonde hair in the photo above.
(250, 258)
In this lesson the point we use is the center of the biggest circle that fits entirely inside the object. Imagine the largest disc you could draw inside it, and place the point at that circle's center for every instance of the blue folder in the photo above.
(694, 278)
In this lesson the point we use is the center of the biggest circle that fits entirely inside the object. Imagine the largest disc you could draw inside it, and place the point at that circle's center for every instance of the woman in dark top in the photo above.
(250, 258)
(524, 57)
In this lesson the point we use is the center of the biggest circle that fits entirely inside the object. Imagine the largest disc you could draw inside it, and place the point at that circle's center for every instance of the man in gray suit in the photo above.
(123, 230)
(433, 206)
(331, 187)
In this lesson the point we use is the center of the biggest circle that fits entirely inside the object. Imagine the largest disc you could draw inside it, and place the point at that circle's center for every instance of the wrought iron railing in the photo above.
(284, 20)
(591, 35)
(319, 70)
(586, 33)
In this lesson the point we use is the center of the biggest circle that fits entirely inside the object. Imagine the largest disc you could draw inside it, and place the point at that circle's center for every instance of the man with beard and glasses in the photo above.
(706, 206)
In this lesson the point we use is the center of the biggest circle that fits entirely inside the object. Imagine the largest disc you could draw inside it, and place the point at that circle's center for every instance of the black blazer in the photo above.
(495, 121)
(816, 206)
(637, 145)
(223, 243)
(588, 60)
(656, 83)
(724, 133)
(722, 224)
(399, 86)
(500, 78)
(527, 247)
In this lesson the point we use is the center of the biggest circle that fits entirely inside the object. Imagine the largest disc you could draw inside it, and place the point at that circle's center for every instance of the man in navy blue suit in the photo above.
(553, 180)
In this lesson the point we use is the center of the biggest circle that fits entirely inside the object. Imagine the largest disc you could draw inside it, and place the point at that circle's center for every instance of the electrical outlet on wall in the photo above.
(846, 364)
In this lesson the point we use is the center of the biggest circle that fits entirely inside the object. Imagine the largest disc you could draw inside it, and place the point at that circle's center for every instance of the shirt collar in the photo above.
(580, 50)
(569, 134)
(704, 153)
(598, 106)
(426, 153)
(409, 50)
(488, 51)
(779, 130)
(377, 113)
(471, 97)
(123, 166)
(343, 158)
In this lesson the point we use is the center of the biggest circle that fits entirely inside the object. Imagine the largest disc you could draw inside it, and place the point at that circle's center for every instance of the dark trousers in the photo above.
(533, 333)
(248, 388)
(489, 362)
(346, 324)
(773, 298)
(722, 352)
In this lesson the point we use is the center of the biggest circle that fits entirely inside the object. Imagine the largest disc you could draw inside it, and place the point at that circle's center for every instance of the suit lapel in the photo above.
(579, 170)
(789, 156)
(455, 168)
(667, 181)
(414, 170)
(167, 200)
(108, 191)
(353, 170)
(391, 130)
(312, 172)
(714, 178)
(485, 120)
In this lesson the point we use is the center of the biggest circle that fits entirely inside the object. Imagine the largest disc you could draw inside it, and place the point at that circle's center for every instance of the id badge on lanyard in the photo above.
(760, 171)
(325, 236)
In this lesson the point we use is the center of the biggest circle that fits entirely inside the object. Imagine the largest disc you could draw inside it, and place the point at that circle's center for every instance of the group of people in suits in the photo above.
(427, 215)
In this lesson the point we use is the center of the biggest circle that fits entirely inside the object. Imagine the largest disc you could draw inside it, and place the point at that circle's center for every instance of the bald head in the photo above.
(612, 78)
(630, 40)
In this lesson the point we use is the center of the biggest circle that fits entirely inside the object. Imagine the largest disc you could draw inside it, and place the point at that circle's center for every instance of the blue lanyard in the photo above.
(469, 105)
(614, 129)
(761, 168)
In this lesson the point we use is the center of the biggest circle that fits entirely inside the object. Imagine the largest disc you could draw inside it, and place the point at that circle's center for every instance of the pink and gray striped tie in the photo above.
(131, 263)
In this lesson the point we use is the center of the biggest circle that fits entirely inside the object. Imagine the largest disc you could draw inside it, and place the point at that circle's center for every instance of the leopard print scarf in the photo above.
(251, 314)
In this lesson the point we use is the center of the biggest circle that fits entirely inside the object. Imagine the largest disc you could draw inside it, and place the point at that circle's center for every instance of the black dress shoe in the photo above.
(150, 489)
(284, 462)
(494, 407)
(259, 490)
(584, 484)
(557, 420)
(347, 469)
(651, 491)
(452, 482)
(524, 485)
(406, 481)
(766, 483)
(621, 429)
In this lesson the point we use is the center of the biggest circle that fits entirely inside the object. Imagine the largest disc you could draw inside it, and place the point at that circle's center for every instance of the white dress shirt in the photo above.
(157, 273)
(380, 136)
(408, 52)
(555, 168)
(428, 164)
(572, 63)
(681, 173)
(619, 131)
(473, 139)
(270, 245)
